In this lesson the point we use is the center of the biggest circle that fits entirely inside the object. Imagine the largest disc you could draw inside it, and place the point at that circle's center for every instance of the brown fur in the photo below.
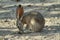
(19, 11)
(37, 17)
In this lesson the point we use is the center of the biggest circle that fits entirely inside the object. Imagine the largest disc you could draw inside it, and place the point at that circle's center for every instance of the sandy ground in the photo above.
(51, 31)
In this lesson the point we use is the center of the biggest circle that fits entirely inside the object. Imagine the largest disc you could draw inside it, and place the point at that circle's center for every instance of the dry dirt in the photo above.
(9, 31)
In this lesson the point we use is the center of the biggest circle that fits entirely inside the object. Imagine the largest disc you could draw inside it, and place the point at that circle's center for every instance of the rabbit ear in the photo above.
(19, 11)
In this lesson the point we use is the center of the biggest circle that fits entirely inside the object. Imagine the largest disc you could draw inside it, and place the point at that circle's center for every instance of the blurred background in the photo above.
(8, 7)
(48, 8)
